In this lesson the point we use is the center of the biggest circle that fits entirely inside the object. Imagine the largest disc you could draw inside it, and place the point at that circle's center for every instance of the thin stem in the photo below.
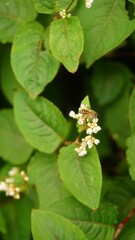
(70, 5)
(123, 223)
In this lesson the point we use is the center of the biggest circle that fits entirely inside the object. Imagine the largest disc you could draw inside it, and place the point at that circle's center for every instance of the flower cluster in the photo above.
(63, 14)
(13, 185)
(88, 119)
(88, 3)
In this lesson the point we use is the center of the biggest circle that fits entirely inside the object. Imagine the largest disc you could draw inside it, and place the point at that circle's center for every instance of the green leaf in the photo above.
(132, 111)
(122, 193)
(116, 119)
(130, 155)
(129, 234)
(66, 42)
(9, 84)
(50, 226)
(81, 175)
(104, 82)
(105, 25)
(43, 171)
(2, 223)
(36, 67)
(52, 6)
(17, 215)
(41, 122)
(12, 14)
(13, 146)
(102, 220)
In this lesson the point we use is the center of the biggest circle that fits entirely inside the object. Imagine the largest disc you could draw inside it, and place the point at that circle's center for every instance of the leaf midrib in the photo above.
(42, 120)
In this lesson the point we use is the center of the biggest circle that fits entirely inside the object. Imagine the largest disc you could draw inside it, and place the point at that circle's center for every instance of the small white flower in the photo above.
(9, 180)
(72, 114)
(3, 186)
(88, 3)
(80, 121)
(89, 131)
(82, 153)
(93, 127)
(96, 129)
(13, 171)
(97, 141)
(63, 14)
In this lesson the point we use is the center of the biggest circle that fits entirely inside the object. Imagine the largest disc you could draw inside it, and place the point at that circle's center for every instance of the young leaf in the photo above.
(43, 172)
(41, 123)
(105, 25)
(13, 147)
(51, 6)
(102, 220)
(66, 41)
(36, 67)
(9, 84)
(50, 226)
(12, 14)
(81, 175)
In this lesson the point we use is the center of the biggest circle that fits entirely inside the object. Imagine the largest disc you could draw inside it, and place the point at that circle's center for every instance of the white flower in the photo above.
(72, 114)
(93, 127)
(88, 3)
(13, 171)
(97, 141)
(89, 131)
(80, 121)
(81, 152)
(3, 186)
(63, 14)
(9, 180)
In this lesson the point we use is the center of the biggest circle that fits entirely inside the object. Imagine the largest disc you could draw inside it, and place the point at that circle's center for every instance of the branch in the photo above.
(123, 223)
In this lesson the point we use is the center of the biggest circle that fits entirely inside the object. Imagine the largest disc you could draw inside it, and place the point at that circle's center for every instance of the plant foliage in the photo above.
(63, 59)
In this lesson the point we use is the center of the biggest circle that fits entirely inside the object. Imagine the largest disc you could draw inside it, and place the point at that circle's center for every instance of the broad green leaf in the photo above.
(122, 193)
(9, 84)
(116, 119)
(43, 172)
(132, 111)
(133, 1)
(130, 155)
(108, 84)
(66, 41)
(36, 67)
(50, 226)
(17, 214)
(105, 25)
(128, 234)
(13, 147)
(97, 224)
(12, 14)
(2, 224)
(52, 6)
(81, 175)
(41, 122)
